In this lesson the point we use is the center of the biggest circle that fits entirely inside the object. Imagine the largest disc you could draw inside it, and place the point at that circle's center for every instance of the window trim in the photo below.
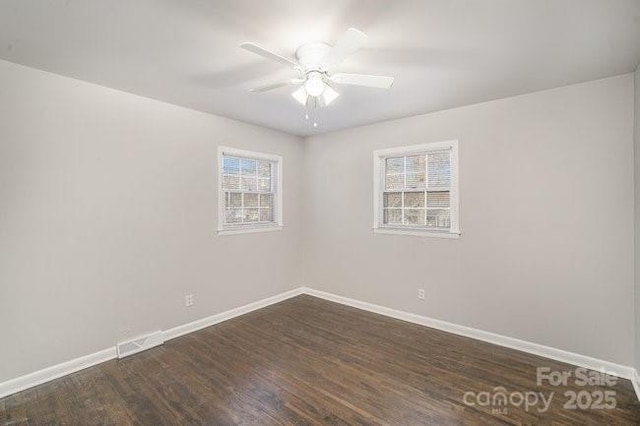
(379, 157)
(278, 222)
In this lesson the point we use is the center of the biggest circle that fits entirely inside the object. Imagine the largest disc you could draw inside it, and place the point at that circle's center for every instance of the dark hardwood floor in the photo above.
(309, 361)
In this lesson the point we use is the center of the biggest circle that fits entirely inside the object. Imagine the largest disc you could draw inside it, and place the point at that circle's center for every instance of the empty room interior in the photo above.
(418, 212)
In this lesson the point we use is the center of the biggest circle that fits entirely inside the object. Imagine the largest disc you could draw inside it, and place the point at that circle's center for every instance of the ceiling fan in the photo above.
(315, 63)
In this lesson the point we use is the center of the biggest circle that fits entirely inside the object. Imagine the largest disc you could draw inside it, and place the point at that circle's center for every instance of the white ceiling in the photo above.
(443, 53)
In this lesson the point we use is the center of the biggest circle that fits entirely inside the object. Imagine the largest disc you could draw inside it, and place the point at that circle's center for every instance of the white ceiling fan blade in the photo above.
(271, 86)
(349, 43)
(377, 81)
(265, 53)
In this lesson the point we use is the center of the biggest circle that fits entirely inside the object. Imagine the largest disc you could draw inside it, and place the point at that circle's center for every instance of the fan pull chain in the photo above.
(306, 109)
(315, 112)
(311, 110)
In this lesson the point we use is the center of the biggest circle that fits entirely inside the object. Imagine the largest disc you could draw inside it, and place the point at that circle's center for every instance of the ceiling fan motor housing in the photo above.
(310, 55)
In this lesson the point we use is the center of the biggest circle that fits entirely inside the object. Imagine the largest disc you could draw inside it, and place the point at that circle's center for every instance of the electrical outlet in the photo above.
(188, 300)
(421, 293)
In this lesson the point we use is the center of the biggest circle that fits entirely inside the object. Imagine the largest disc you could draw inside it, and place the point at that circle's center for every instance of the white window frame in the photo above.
(379, 157)
(244, 228)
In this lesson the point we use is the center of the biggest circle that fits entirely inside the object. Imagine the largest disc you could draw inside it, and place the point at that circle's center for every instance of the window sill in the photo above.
(249, 230)
(418, 232)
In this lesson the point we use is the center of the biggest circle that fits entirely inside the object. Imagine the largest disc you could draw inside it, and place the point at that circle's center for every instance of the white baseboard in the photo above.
(181, 330)
(39, 377)
(611, 368)
(635, 381)
(50, 373)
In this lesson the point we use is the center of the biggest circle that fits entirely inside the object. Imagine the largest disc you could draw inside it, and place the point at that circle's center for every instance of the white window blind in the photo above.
(417, 188)
(249, 190)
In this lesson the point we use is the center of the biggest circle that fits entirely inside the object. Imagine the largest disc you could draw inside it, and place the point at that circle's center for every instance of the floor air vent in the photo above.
(140, 344)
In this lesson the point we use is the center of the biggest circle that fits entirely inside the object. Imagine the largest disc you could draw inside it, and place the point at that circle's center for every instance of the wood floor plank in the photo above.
(307, 361)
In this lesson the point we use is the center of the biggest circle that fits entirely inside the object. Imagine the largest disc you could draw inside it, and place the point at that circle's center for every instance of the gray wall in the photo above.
(636, 136)
(546, 255)
(108, 210)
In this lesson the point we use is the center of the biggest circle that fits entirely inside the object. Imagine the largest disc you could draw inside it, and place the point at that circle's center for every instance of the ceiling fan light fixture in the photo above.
(329, 95)
(316, 63)
(301, 95)
(314, 86)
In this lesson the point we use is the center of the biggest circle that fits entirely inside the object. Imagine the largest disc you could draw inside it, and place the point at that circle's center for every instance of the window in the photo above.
(416, 190)
(250, 191)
